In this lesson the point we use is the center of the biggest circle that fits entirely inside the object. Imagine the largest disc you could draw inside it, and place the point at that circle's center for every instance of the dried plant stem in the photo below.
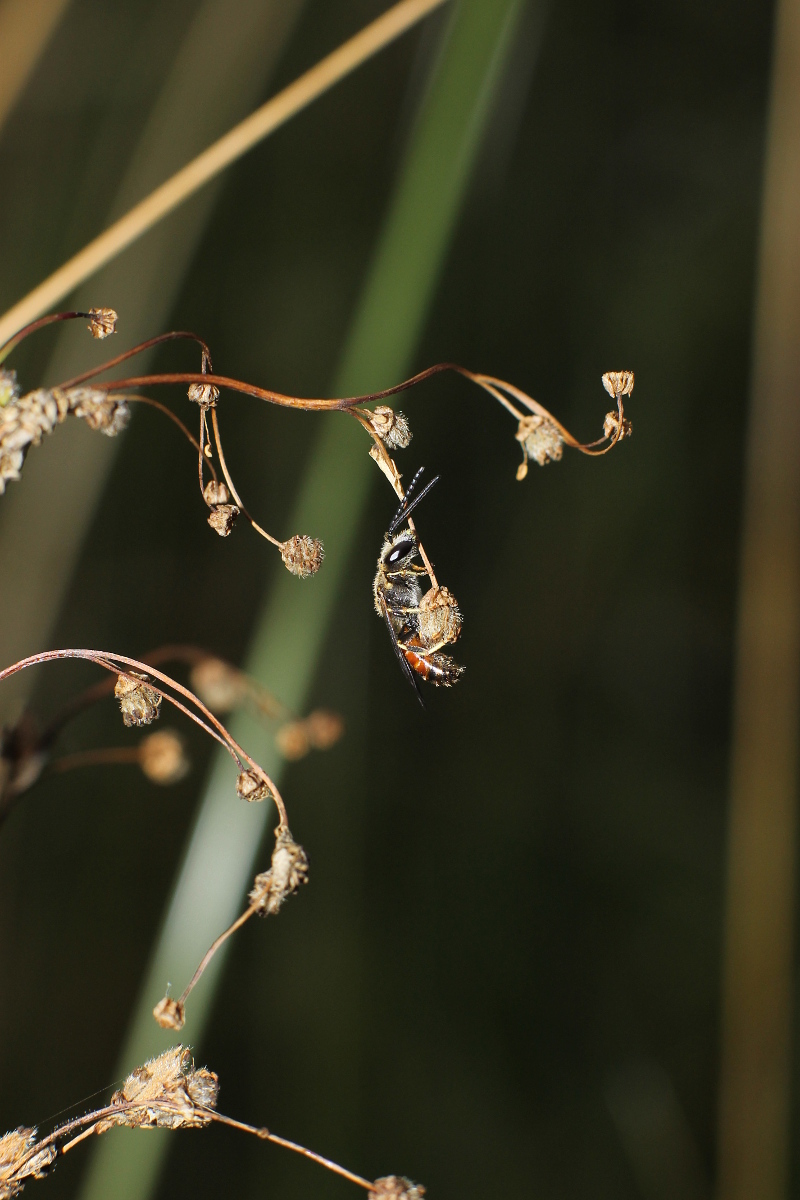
(132, 398)
(215, 159)
(99, 757)
(173, 336)
(230, 483)
(317, 1158)
(212, 950)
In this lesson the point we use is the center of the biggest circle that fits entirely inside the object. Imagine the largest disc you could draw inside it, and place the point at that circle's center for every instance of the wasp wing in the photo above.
(401, 658)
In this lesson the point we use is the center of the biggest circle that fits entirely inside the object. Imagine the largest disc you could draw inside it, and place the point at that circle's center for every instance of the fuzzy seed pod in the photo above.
(104, 322)
(440, 618)
(395, 1187)
(218, 685)
(216, 493)
(292, 740)
(222, 518)
(611, 426)
(19, 1161)
(288, 871)
(391, 427)
(107, 414)
(169, 1013)
(618, 383)
(204, 394)
(252, 787)
(541, 440)
(302, 555)
(138, 703)
(168, 1091)
(163, 758)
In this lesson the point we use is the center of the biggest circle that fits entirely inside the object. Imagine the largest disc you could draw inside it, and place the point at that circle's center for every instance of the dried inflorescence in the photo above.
(396, 1187)
(440, 618)
(390, 426)
(215, 493)
(302, 555)
(138, 702)
(204, 394)
(541, 440)
(103, 322)
(163, 758)
(618, 383)
(170, 1014)
(251, 786)
(25, 420)
(20, 1161)
(223, 517)
(168, 1091)
(218, 684)
(289, 870)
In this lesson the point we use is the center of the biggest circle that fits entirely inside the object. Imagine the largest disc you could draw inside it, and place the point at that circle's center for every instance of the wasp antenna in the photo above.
(407, 506)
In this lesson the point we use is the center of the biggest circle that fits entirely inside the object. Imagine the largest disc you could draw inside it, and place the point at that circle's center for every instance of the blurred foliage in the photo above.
(515, 896)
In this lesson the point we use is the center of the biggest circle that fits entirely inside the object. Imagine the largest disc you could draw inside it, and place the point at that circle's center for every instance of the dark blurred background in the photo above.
(504, 976)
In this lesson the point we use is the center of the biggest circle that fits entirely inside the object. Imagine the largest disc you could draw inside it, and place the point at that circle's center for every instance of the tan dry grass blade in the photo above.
(25, 30)
(215, 159)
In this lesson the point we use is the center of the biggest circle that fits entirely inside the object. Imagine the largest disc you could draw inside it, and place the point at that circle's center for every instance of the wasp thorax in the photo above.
(139, 703)
(104, 322)
(440, 618)
(618, 383)
(169, 1013)
(216, 493)
(391, 427)
(222, 518)
(204, 394)
(302, 555)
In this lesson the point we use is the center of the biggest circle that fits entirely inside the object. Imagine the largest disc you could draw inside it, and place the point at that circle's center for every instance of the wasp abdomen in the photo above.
(438, 669)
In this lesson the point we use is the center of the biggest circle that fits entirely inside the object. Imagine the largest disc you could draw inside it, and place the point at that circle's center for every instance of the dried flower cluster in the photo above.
(289, 870)
(396, 1187)
(138, 702)
(25, 420)
(391, 427)
(320, 730)
(103, 322)
(302, 555)
(20, 1161)
(162, 757)
(169, 1092)
(252, 786)
(541, 440)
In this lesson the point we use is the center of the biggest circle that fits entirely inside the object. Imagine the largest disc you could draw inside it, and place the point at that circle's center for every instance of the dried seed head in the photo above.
(611, 427)
(391, 427)
(396, 1187)
(618, 383)
(440, 618)
(217, 684)
(163, 758)
(9, 390)
(20, 1161)
(324, 728)
(288, 871)
(108, 414)
(292, 740)
(222, 518)
(251, 786)
(216, 493)
(104, 322)
(541, 440)
(169, 1091)
(204, 394)
(138, 703)
(169, 1013)
(303, 555)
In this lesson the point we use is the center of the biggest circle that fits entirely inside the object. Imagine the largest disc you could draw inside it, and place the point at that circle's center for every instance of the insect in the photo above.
(419, 625)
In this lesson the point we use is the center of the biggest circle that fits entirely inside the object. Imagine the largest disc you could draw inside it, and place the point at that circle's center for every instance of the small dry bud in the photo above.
(216, 493)
(324, 728)
(19, 1161)
(611, 426)
(251, 786)
(440, 618)
(541, 440)
(104, 322)
(303, 555)
(163, 758)
(288, 871)
(138, 703)
(222, 518)
(204, 394)
(9, 390)
(618, 383)
(292, 740)
(391, 427)
(168, 1091)
(396, 1187)
(217, 684)
(169, 1013)
(102, 412)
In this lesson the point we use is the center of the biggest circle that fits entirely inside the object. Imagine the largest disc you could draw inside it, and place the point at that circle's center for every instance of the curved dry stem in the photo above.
(212, 950)
(173, 336)
(34, 326)
(111, 755)
(232, 486)
(130, 397)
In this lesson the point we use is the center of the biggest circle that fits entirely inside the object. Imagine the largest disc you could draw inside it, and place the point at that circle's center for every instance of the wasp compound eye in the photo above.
(401, 550)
